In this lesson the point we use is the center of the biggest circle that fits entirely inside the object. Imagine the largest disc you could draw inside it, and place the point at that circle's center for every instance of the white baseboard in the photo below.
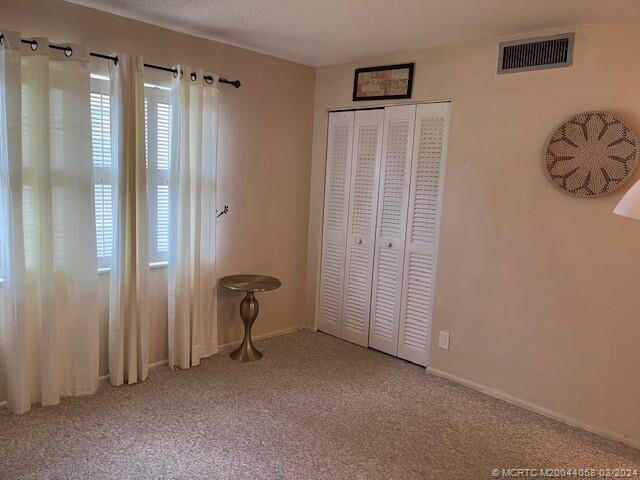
(493, 392)
(221, 348)
(159, 364)
(151, 365)
(264, 336)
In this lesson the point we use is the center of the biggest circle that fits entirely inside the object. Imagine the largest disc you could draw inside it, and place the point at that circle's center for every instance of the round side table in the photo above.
(249, 307)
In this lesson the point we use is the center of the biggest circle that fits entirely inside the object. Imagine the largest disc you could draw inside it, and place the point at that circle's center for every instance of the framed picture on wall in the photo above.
(381, 83)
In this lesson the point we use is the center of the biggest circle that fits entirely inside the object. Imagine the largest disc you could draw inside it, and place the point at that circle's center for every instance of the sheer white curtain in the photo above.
(49, 317)
(193, 328)
(129, 288)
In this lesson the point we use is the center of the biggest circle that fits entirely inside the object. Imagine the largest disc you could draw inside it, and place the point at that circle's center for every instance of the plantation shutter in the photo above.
(391, 225)
(367, 149)
(338, 178)
(425, 200)
(158, 147)
(102, 169)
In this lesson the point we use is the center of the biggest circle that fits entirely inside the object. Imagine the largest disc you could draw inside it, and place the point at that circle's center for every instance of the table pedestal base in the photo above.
(247, 352)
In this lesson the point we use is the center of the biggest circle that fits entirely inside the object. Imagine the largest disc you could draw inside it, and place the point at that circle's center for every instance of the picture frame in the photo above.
(383, 83)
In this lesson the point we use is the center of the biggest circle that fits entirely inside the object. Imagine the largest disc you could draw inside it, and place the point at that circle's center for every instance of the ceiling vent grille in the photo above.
(536, 53)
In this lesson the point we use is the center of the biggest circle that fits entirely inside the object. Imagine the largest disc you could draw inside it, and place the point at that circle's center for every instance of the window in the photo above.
(157, 119)
(102, 173)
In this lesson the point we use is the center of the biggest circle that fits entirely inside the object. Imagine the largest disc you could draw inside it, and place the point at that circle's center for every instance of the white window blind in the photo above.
(157, 119)
(103, 177)
(158, 148)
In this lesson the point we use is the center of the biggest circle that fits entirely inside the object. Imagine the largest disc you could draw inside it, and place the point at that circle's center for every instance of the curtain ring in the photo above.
(1, 39)
(181, 73)
(209, 80)
(34, 45)
(175, 73)
(194, 76)
(68, 52)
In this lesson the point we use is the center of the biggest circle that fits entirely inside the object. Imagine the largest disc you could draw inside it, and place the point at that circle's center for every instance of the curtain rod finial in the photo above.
(235, 83)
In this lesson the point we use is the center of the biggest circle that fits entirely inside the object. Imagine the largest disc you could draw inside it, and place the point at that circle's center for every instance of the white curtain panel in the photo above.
(129, 287)
(49, 317)
(193, 328)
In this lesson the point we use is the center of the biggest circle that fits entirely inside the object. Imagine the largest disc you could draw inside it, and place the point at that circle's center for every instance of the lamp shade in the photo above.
(629, 205)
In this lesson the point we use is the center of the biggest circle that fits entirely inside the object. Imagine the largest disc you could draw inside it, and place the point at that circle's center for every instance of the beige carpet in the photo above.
(314, 407)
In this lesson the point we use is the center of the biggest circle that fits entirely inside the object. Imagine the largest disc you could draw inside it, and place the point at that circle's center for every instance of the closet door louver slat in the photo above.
(338, 179)
(362, 225)
(391, 225)
(425, 199)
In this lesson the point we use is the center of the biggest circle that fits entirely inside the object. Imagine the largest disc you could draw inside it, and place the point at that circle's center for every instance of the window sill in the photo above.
(152, 266)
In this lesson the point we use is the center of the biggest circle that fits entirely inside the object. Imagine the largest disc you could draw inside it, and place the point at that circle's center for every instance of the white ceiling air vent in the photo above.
(536, 53)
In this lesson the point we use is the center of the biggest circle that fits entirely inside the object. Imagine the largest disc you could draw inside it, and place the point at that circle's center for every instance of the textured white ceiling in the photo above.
(329, 32)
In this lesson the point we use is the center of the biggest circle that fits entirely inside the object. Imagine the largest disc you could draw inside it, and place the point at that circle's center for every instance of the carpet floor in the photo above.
(315, 407)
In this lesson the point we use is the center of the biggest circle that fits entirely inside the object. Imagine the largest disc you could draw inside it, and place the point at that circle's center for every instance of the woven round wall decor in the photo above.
(591, 155)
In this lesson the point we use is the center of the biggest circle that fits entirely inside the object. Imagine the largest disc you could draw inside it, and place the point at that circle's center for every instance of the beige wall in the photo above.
(538, 289)
(263, 165)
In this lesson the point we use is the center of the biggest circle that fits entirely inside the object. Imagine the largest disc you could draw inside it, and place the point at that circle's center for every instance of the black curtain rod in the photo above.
(68, 51)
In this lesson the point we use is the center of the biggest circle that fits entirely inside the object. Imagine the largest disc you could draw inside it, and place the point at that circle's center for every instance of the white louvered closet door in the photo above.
(393, 198)
(425, 199)
(363, 203)
(336, 209)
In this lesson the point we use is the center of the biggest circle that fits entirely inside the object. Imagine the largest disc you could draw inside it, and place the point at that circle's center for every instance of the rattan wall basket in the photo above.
(591, 155)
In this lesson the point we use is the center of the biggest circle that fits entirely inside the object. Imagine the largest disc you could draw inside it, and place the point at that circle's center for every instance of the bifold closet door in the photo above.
(393, 199)
(336, 209)
(421, 245)
(363, 203)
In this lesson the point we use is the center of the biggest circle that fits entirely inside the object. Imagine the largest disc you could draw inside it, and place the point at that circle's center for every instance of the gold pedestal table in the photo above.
(249, 307)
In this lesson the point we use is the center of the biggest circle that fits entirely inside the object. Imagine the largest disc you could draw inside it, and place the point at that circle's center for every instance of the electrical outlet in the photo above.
(443, 340)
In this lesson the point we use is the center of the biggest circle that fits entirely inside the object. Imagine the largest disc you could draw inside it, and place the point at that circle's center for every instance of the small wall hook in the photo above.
(224, 210)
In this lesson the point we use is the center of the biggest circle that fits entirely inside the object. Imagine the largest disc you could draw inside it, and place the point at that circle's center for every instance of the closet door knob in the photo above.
(359, 241)
(389, 244)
